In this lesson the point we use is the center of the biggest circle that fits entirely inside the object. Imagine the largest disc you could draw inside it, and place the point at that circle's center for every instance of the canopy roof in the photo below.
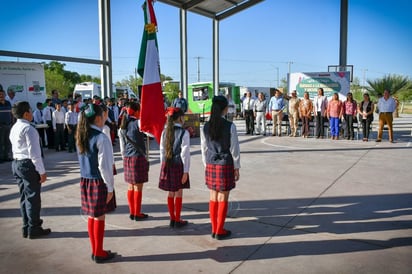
(215, 9)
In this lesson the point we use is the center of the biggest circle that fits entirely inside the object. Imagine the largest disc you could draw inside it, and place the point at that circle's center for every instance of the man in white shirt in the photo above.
(58, 127)
(38, 119)
(248, 104)
(386, 107)
(71, 125)
(28, 168)
(47, 119)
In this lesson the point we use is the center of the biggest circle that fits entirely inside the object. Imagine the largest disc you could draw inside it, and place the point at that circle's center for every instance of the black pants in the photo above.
(28, 180)
(59, 137)
(5, 146)
(349, 133)
(366, 127)
(319, 124)
(70, 138)
(250, 121)
(50, 135)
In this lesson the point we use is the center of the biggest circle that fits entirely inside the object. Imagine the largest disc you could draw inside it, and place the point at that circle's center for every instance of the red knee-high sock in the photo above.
(98, 238)
(178, 207)
(137, 203)
(221, 217)
(130, 200)
(171, 207)
(90, 229)
(213, 215)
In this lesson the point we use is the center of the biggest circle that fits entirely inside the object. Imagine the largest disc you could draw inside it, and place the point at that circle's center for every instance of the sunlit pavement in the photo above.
(301, 206)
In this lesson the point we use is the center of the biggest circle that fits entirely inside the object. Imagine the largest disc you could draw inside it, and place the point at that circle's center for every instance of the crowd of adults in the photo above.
(336, 116)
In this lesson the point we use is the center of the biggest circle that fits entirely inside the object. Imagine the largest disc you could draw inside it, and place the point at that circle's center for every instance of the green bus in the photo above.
(200, 96)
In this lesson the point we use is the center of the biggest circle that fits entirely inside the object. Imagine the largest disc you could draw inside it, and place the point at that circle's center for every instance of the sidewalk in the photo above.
(301, 206)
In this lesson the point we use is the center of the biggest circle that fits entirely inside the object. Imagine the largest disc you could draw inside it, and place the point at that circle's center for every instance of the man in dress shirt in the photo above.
(58, 127)
(28, 168)
(386, 106)
(38, 119)
(71, 125)
(11, 96)
(276, 106)
(293, 113)
(248, 104)
(48, 119)
(260, 111)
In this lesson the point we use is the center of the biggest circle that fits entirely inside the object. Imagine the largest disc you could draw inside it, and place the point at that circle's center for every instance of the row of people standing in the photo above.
(319, 110)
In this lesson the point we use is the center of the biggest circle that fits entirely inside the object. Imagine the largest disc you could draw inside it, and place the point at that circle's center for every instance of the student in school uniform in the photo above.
(28, 169)
(97, 181)
(70, 120)
(175, 163)
(135, 164)
(221, 157)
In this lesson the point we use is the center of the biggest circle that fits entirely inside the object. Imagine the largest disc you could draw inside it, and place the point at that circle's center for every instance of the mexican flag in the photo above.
(152, 113)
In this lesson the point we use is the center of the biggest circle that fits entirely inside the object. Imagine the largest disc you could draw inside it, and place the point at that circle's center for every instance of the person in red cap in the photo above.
(175, 163)
(135, 164)
(221, 157)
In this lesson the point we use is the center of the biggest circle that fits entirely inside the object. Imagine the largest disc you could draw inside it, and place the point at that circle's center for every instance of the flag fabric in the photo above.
(152, 113)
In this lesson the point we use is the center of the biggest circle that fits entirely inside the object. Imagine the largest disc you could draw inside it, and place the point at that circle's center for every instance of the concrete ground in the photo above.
(301, 206)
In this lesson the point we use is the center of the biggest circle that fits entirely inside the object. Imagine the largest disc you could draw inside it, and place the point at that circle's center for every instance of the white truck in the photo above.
(27, 80)
(89, 89)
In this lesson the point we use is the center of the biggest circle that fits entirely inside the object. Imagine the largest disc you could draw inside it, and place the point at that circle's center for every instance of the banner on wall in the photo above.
(310, 82)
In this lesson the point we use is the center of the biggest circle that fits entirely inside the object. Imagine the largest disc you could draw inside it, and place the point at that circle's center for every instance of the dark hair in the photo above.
(219, 103)
(170, 132)
(321, 91)
(87, 118)
(19, 108)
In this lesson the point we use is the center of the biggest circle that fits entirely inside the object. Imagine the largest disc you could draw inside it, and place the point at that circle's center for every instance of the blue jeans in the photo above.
(334, 126)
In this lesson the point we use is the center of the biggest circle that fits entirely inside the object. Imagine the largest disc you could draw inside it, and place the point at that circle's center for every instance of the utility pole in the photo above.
(289, 64)
(198, 67)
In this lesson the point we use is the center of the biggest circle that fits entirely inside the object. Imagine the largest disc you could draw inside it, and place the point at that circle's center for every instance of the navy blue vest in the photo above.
(218, 152)
(89, 161)
(177, 145)
(137, 146)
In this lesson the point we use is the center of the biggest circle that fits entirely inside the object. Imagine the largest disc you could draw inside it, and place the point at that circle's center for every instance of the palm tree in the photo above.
(394, 83)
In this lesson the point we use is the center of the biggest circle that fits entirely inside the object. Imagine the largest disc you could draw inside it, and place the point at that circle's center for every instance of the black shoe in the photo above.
(172, 224)
(25, 233)
(378, 140)
(132, 217)
(39, 232)
(141, 217)
(223, 236)
(102, 260)
(181, 223)
(213, 235)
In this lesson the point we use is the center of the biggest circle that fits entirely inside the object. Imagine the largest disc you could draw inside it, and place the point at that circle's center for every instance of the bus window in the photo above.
(200, 94)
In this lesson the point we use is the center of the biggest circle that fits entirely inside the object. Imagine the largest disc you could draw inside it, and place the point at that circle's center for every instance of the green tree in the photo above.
(171, 91)
(395, 83)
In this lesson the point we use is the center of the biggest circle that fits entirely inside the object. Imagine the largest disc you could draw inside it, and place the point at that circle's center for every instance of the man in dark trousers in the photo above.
(180, 102)
(28, 169)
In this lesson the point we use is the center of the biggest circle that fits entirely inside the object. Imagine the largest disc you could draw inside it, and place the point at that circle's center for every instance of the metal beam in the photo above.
(237, 9)
(191, 4)
(183, 53)
(51, 57)
(343, 46)
(216, 56)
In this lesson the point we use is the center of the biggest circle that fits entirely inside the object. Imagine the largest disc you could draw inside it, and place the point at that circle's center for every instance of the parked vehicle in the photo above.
(26, 79)
(90, 89)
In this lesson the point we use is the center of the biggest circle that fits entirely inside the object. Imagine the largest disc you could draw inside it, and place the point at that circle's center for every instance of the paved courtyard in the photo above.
(301, 206)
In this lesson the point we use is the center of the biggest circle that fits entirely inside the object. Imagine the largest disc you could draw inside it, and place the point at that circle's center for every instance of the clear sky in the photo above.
(255, 44)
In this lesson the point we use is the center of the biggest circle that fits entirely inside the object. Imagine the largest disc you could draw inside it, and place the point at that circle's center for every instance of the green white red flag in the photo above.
(152, 113)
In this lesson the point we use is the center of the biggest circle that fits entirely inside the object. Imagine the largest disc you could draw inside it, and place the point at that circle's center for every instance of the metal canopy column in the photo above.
(183, 52)
(105, 47)
(216, 56)
(343, 47)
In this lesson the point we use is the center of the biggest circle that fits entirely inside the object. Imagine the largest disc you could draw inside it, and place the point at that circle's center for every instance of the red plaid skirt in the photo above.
(171, 177)
(94, 195)
(220, 177)
(136, 170)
